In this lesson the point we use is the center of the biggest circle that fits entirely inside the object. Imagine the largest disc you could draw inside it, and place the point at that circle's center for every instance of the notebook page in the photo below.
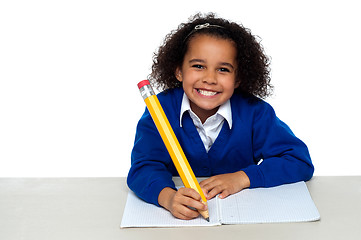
(138, 213)
(285, 203)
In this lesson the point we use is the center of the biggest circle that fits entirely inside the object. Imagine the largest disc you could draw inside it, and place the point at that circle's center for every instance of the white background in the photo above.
(69, 103)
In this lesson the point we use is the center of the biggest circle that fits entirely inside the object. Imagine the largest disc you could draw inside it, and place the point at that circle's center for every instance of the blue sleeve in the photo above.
(285, 158)
(149, 172)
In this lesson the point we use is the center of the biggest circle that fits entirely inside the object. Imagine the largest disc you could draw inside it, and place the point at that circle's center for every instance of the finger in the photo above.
(191, 198)
(186, 208)
(187, 213)
(204, 182)
(192, 203)
(213, 188)
(184, 212)
(205, 192)
(210, 185)
(216, 190)
(224, 194)
(191, 193)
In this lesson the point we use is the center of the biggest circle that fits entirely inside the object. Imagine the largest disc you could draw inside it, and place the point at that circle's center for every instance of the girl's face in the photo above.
(208, 74)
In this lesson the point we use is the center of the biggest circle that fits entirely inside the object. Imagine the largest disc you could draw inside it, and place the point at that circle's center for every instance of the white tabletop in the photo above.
(91, 208)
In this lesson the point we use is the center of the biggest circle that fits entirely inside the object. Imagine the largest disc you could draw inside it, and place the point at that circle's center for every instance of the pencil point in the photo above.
(207, 219)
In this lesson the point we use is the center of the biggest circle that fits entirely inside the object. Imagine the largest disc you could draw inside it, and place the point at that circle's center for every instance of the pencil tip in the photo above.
(207, 219)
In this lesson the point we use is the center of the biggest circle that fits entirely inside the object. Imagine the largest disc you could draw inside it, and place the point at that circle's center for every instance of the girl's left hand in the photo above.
(225, 184)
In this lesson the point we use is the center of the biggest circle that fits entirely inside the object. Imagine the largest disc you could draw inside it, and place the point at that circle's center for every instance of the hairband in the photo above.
(201, 26)
(206, 25)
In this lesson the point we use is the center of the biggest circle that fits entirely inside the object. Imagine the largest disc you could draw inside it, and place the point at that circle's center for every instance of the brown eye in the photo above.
(197, 66)
(224, 70)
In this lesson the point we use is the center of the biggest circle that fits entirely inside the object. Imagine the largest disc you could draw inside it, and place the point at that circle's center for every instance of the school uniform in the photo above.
(248, 137)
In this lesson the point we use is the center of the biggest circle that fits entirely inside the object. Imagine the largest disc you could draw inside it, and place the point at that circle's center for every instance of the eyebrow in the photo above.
(202, 61)
(196, 60)
(227, 64)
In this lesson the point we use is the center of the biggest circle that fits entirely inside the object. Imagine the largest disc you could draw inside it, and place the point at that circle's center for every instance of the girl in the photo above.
(214, 74)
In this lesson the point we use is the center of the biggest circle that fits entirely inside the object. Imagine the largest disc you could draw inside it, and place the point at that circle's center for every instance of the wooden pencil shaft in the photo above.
(170, 140)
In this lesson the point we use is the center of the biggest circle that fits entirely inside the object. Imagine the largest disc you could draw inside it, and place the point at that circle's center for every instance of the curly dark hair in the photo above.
(253, 71)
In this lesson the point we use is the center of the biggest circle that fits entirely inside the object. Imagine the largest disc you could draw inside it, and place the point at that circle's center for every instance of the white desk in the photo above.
(91, 208)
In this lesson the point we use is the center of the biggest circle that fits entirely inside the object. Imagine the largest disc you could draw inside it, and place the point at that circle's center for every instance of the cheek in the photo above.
(230, 85)
(190, 78)
(230, 91)
(187, 85)
(191, 75)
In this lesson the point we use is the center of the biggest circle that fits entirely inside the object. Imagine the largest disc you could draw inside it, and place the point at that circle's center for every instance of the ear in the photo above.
(178, 74)
(236, 84)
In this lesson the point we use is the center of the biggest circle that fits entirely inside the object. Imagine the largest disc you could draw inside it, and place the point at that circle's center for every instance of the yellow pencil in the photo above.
(170, 140)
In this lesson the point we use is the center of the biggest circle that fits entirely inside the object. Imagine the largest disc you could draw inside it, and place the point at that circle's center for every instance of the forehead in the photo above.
(211, 46)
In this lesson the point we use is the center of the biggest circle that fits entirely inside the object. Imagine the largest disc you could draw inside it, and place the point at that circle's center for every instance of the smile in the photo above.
(206, 93)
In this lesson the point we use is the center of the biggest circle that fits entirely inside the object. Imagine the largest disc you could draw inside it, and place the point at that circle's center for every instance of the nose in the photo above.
(210, 77)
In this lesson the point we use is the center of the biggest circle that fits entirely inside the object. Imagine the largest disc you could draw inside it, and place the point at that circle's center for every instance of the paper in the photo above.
(138, 213)
(286, 203)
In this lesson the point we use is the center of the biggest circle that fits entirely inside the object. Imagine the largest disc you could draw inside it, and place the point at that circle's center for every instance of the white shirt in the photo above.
(212, 126)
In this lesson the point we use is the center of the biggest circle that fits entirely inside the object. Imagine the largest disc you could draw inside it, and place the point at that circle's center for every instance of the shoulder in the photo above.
(249, 105)
(170, 94)
(171, 101)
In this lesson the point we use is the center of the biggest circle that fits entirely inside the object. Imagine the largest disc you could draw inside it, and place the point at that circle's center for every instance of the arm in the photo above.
(151, 179)
(149, 173)
(285, 157)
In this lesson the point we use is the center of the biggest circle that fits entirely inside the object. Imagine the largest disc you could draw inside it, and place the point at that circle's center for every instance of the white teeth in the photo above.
(207, 93)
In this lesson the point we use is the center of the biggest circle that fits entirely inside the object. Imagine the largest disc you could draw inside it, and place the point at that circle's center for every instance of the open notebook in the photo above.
(286, 203)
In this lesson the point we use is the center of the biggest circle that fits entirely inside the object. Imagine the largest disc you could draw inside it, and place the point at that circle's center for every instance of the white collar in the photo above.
(224, 110)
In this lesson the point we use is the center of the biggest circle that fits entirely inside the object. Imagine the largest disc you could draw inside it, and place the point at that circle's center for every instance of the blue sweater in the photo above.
(257, 134)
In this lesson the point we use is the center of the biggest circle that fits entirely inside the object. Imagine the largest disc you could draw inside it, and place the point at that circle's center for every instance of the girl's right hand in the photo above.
(180, 202)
